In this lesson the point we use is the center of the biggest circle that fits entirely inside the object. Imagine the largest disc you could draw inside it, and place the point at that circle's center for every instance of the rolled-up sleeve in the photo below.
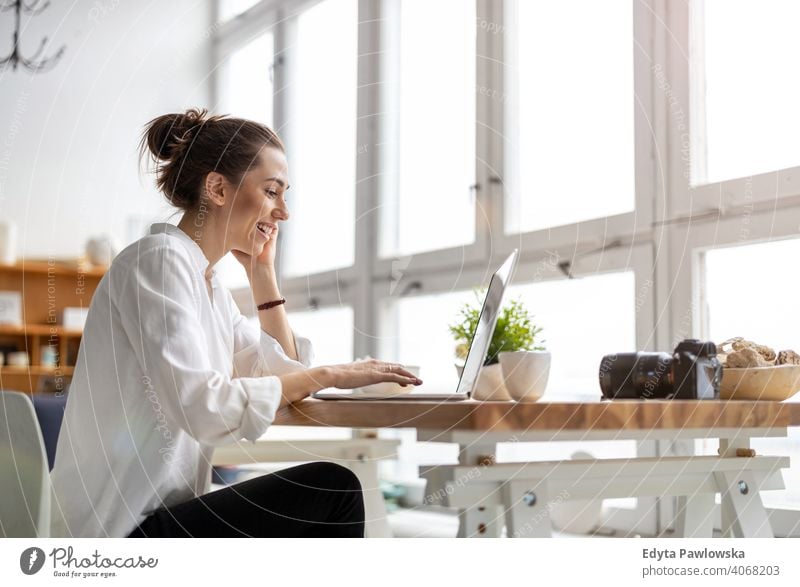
(159, 304)
(257, 353)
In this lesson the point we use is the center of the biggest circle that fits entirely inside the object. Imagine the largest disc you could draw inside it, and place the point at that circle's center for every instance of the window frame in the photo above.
(597, 230)
(371, 271)
(687, 201)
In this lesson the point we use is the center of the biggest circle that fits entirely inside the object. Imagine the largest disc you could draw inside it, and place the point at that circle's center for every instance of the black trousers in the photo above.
(311, 500)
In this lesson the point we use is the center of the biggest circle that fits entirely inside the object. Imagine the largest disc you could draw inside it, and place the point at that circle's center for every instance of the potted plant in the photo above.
(514, 332)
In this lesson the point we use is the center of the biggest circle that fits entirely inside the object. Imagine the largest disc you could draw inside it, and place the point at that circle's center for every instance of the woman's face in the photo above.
(258, 203)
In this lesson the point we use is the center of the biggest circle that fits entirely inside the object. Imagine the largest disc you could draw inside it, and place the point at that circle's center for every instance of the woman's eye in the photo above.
(272, 193)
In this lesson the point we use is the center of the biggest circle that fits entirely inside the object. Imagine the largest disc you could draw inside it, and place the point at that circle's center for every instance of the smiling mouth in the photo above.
(265, 229)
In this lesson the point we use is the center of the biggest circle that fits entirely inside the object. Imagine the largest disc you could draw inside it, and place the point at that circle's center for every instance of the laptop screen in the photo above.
(486, 323)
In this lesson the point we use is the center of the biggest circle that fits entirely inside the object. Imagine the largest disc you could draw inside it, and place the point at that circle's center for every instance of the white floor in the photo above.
(439, 523)
(417, 523)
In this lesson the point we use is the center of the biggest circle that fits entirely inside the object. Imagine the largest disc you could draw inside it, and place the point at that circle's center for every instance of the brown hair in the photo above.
(185, 147)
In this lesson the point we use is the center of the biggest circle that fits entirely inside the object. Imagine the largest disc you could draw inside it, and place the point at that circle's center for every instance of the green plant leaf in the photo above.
(514, 331)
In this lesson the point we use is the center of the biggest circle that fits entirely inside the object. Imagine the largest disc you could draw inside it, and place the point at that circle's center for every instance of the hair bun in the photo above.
(169, 135)
(185, 147)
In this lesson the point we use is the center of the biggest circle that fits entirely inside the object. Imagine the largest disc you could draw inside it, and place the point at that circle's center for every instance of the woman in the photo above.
(168, 368)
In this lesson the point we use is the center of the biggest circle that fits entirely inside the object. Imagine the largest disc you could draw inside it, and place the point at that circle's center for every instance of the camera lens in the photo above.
(636, 375)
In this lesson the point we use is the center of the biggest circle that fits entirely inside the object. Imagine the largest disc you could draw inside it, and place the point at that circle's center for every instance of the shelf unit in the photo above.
(47, 287)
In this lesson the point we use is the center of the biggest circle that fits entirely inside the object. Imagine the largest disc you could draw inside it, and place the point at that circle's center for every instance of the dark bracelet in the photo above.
(268, 305)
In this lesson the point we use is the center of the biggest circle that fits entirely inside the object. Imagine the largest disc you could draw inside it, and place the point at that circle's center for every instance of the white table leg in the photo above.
(527, 509)
(479, 521)
(695, 516)
(743, 513)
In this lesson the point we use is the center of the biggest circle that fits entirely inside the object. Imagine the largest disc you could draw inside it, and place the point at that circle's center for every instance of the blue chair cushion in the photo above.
(50, 412)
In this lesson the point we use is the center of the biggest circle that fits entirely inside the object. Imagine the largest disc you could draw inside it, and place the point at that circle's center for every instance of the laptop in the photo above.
(479, 346)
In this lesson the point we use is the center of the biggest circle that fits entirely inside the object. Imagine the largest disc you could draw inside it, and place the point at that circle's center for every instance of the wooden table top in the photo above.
(574, 415)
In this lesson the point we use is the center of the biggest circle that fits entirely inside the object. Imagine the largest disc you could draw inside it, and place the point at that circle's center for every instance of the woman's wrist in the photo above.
(264, 285)
(324, 376)
(262, 273)
(301, 384)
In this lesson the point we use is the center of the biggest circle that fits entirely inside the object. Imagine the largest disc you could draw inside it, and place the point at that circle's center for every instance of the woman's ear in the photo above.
(215, 188)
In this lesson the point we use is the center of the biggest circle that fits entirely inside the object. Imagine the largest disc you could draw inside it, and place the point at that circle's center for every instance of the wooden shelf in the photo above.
(36, 370)
(59, 267)
(47, 287)
(39, 330)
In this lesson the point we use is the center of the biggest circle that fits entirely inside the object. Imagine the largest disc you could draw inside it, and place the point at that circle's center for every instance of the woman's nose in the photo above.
(281, 213)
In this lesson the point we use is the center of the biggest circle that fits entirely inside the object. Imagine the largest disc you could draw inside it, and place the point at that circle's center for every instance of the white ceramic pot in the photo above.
(525, 373)
(490, 386)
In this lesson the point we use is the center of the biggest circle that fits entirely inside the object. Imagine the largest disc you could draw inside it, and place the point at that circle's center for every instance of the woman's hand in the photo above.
(263, 261)
(300, 384)
(367, 372)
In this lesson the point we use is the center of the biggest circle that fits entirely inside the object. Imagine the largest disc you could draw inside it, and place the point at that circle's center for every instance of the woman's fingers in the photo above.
(385, 371)
(406, 375)
(394, 368)
(402, 379)
(413, 378)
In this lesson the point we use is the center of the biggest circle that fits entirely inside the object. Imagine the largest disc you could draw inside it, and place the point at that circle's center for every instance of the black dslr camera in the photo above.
(692, 371)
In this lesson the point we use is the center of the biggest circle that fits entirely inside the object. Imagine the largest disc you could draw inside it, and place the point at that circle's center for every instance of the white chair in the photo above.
(24, 475)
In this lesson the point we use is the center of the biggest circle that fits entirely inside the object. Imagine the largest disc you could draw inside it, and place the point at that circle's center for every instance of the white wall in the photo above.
(68, 137)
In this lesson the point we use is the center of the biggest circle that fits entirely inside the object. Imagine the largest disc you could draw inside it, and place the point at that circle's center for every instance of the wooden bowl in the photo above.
(760, 383)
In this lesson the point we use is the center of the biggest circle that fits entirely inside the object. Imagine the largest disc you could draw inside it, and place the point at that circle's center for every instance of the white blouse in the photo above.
(163, 375)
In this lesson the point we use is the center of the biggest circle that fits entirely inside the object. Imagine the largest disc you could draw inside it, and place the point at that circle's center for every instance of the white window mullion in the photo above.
(489, 127)
(368, 176)
(282, 83)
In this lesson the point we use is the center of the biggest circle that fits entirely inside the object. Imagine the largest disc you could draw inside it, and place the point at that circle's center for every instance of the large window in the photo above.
(745, 94)
(429, 154)
(570, 112)
(322, 131)
(249, 71)
(744, 124)
(761, 307)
